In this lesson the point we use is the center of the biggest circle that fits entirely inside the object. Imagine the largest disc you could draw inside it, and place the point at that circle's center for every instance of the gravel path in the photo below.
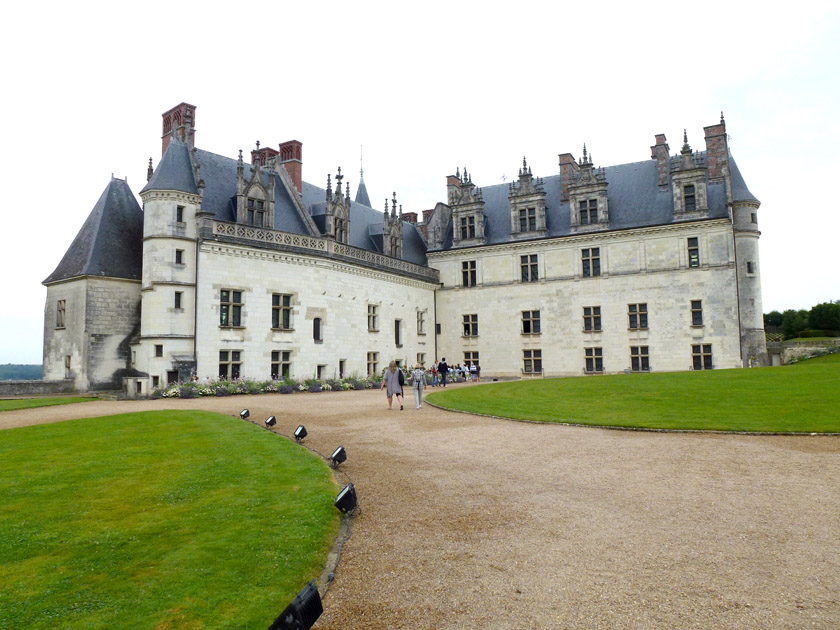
(471, 522)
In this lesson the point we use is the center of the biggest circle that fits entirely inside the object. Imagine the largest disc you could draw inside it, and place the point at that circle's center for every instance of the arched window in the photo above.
(316, 329)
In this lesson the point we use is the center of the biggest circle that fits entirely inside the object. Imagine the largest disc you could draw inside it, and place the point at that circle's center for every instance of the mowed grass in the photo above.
(29, 403)
(803, 398)
(174, 519)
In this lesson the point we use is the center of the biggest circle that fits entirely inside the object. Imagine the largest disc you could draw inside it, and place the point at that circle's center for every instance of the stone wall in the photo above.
(36, 388)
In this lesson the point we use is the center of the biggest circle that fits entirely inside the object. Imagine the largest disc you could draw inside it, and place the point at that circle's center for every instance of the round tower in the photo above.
(745, 227)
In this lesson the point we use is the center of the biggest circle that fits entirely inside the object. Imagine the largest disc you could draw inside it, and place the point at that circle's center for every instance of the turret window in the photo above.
(588, 211)
(317, 330)
(59, 314)
(179, 256)
(179, 214)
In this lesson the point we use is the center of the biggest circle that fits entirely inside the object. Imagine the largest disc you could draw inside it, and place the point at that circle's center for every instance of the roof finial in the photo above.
(584, 152)
(258, 145)
(150, 172)
(721, 118)
(685, 137)
(458, 172)
(361, 163)
(347, 194)
(394, 205)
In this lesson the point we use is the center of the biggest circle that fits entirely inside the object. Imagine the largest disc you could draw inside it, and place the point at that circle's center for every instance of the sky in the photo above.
(423, 88)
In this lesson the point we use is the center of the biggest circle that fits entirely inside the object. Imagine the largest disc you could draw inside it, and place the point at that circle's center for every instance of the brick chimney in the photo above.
(427, 214)
(262, 155)
(717, 150)
(409, 217)
(568, 169)
(453, 188)
(178, 122)
(661, 153)
(291, 157)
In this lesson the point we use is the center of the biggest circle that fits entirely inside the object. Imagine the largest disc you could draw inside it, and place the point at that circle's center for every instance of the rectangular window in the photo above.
(421, 322)
(317, 330)
(592, 318)
(230, 363)
(529, 267)
(696, 312)
(467, 227)
(398, 333)
(372, 363)
(281, 364)
(688, 195)
(179, 256)
(588, 211)
(179, 214)
(591, 259)
(530, 322)
(230, 311)
(59, 314)
(281, 311)
(471, 325)
(67, 359)
(178, 297)
(693, 252)
(155, 382)
(753, 217)
(421, 358)
(468, 273)
(527, 219)
(639, 359)
(342, 363)
(594, 360)
(373, 318)
(532, 361)
(750, 268)
(470, 358)
(701, 356)
(437, 329)
(159, 350)
(638, 316)
(320, 371)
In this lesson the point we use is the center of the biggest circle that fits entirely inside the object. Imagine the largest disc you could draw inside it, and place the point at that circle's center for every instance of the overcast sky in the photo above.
(425, 87)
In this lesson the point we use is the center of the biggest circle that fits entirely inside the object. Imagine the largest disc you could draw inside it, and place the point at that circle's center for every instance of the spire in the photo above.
(394, 205)
(361, 191)
(150, 171)
(329, 187)
(685, 147)
(722, 122)
(361, 163)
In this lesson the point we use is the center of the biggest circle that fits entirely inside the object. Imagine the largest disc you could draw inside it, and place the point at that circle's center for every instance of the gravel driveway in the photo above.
(471, 522)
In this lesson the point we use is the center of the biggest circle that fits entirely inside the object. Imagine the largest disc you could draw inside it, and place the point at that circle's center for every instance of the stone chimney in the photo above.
(717, 150)
(661, 153)
(178, 122)
(568, 170)
(291, 157)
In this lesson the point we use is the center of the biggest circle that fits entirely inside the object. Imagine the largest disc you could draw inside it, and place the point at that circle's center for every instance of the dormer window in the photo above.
(527, 219)
(690, 199)
(256, 211)
(467, 227)
(588, 211)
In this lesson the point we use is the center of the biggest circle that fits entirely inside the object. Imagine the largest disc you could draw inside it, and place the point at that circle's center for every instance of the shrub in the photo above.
(222, 391)
(187, 392)
(334, 385)
(286, 389)
(315, 387)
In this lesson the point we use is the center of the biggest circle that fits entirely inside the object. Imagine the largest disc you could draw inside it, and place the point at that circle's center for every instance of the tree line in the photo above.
(823, 320)
(20, 372)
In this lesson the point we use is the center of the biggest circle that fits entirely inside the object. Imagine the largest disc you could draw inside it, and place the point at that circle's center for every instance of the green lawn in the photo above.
(802, 398)
(826, 358)
(28, 403)
(174, 519)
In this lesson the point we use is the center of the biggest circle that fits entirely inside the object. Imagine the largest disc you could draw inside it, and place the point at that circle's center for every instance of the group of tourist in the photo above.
(394, 379)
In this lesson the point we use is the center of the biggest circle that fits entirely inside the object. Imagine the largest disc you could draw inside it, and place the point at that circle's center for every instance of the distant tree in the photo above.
(825, 316)
(794, 322)
(19, 372)
(773, 318)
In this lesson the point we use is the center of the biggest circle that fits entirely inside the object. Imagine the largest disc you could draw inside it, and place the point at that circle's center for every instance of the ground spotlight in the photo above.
(346, 499)
(302, 612)
(300, 432)
(338, 456)
(270, 421)
(244, 414)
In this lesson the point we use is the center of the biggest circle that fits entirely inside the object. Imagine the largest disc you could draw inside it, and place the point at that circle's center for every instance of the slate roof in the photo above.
(110, 243)
(635, 200)
(362, 193)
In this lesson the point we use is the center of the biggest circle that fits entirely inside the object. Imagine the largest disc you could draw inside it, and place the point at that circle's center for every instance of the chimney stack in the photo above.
(291, 157)
(568, 169)
(178, 122)
(717, 150)
(661, 153)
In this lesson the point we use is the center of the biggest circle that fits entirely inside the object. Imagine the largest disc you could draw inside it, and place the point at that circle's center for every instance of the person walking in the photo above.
(443, 369)
(392, 384)
(472, 371)
(434, 371)
(478, 373)
(418, 382)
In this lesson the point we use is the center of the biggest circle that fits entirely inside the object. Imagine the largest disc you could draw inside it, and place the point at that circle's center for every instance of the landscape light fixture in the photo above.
(346, 499)
(270, 421)
(244, 414)
(300, 432)
(302, 612)
(338, 456)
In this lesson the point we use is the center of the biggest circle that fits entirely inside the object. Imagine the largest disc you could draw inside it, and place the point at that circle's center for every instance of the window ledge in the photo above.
(376, 330)
(469, 336)
(318, 340)
(421, 334)
(61, 327)
(532, 371)
(597, 330)
(530, 334)
(282, 330)
(231, 327)
(631, 329)
(398, 345)
(698, 326)
(594, 372)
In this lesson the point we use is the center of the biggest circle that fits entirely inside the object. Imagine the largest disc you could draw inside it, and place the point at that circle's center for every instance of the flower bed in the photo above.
(225, 387)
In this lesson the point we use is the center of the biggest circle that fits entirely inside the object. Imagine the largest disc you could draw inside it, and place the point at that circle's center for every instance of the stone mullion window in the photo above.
(639, 359)
(372, 363)
(529, 266)
(696, 312)
(281, 311)
(527, 219)
(60, 312)
(281, 364)
(532, 361)
(230, 311)
(373, 317)
(468, 275)
(470, 358)
(421, 322)
(701, 356)
(591, 262)
(467, 227)
(638, 316)
(230, 363)
(594, 360)
(588, 211)
(693, 252)
(471, 325)
(592, 318)
(530, 322)
(689, 198)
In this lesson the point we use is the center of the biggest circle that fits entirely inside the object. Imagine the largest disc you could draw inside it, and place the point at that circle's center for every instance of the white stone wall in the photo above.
(69, 340)
(338, 293)
(637, 266)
